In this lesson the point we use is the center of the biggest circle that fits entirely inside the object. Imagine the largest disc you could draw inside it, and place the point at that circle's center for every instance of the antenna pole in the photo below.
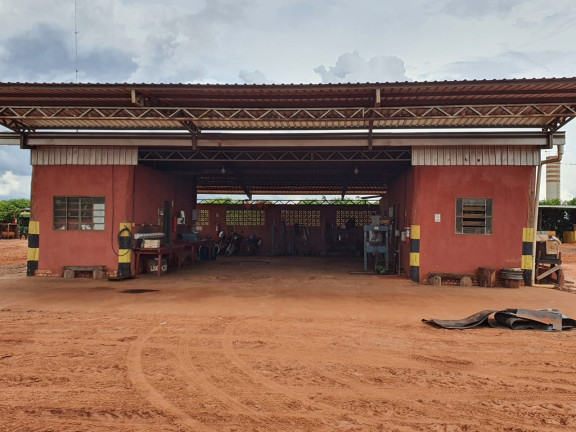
(76, 38)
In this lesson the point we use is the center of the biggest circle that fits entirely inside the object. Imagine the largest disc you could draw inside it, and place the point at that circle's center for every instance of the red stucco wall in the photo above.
(77, 248)
(401, 197)
(152, 189)
(435, 192)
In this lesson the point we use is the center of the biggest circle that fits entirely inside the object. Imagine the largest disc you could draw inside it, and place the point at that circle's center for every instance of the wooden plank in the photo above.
(492, 156)
(98, 156)
(459, 156)
(434, 153)
(92, 160)
(466, 155)
(549, 272)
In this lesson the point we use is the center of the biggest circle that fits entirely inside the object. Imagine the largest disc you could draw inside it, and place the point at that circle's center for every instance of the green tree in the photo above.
(553, 201)
(10, 209)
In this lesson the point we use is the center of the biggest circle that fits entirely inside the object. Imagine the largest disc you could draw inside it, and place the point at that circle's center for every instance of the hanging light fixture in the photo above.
(223, 170)
(355, 170)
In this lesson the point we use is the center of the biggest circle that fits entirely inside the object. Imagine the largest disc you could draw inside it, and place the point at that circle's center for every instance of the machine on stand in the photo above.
(376, 238)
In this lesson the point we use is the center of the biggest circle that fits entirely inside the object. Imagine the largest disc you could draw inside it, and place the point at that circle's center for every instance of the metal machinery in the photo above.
(23, 222)
(376, 239)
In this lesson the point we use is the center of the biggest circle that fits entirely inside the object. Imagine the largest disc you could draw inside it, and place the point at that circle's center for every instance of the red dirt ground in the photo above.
(282, 344)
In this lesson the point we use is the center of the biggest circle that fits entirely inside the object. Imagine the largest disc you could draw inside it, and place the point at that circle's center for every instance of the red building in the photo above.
(107, 157)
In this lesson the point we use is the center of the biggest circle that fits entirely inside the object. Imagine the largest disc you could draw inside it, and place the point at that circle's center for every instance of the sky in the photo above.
(282, 41)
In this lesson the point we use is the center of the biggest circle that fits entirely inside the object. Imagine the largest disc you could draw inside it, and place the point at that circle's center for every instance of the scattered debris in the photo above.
(515, 319)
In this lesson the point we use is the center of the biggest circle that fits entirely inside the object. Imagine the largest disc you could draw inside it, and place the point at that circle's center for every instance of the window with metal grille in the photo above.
(204, 217)
(79, 213)
(309, 218)
(474, 216)
(360, 217)
(245, 217)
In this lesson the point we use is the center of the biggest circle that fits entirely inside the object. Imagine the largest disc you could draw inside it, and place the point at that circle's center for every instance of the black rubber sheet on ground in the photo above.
(515, 319)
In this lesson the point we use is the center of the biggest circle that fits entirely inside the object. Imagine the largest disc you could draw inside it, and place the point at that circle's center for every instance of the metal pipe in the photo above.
(558, 158)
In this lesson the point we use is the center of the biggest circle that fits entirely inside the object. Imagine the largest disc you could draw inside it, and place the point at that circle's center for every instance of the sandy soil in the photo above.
(275, 345)
(13, 255)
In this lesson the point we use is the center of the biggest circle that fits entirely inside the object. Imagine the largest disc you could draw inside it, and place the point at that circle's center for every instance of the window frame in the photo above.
(474, 216)
(78, 213)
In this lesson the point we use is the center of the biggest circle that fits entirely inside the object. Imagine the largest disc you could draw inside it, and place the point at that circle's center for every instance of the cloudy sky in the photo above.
(282, 41)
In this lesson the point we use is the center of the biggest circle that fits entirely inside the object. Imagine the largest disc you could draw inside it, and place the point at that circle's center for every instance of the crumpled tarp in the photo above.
(515, 319)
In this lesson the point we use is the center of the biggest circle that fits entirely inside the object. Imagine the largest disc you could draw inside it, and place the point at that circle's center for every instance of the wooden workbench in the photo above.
(175, 251)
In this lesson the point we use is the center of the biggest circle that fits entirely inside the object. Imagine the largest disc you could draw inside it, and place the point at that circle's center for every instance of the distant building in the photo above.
(552, 180)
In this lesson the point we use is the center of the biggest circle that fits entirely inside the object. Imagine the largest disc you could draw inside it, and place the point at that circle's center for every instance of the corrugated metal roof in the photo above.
(540, 103)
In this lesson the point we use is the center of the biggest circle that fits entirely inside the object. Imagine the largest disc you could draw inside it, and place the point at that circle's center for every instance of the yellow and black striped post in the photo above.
(527, 255)
(125, 251)
(415, 253)
(33, 248)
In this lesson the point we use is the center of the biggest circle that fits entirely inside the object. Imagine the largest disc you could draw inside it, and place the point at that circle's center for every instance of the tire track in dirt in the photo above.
(325, 410)
(196, 377)
(402, 403)
(138, 378)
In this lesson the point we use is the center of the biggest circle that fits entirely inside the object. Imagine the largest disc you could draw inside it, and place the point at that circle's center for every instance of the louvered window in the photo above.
(474, 216)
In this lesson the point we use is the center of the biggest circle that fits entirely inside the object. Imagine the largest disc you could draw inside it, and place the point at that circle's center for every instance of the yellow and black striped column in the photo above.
(125, 251)
(527, 255)
(415, 253)
(33, 248)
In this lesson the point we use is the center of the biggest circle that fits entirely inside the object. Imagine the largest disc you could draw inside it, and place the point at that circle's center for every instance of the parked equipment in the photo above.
(376, 239)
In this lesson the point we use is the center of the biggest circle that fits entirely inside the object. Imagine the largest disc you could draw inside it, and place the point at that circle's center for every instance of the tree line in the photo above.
(10, 209)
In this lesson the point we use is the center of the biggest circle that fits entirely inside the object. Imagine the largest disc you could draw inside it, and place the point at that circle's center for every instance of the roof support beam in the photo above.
(137, 99)
(15, 125)
(194, 131)
(370, 130)
(556, 124)
(377, 100)
(183, 155)
(407, 116)
(24, 141)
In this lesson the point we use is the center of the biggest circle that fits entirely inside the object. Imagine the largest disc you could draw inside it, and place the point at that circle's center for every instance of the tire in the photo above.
(229, 250)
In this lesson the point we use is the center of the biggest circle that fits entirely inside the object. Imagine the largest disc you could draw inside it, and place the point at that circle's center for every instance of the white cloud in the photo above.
(287, 41)
(351, 67)
(254, 77)
(14, 186)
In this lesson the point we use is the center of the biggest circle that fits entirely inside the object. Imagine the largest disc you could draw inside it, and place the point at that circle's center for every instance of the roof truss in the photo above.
(29, 118)
(546, 104)
(387, 155)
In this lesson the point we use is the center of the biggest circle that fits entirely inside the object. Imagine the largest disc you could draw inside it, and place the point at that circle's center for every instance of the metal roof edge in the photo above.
(541, 80)
(280, 135)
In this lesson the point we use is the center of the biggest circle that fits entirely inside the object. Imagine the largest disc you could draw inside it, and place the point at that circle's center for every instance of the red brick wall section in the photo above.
(435, 192)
